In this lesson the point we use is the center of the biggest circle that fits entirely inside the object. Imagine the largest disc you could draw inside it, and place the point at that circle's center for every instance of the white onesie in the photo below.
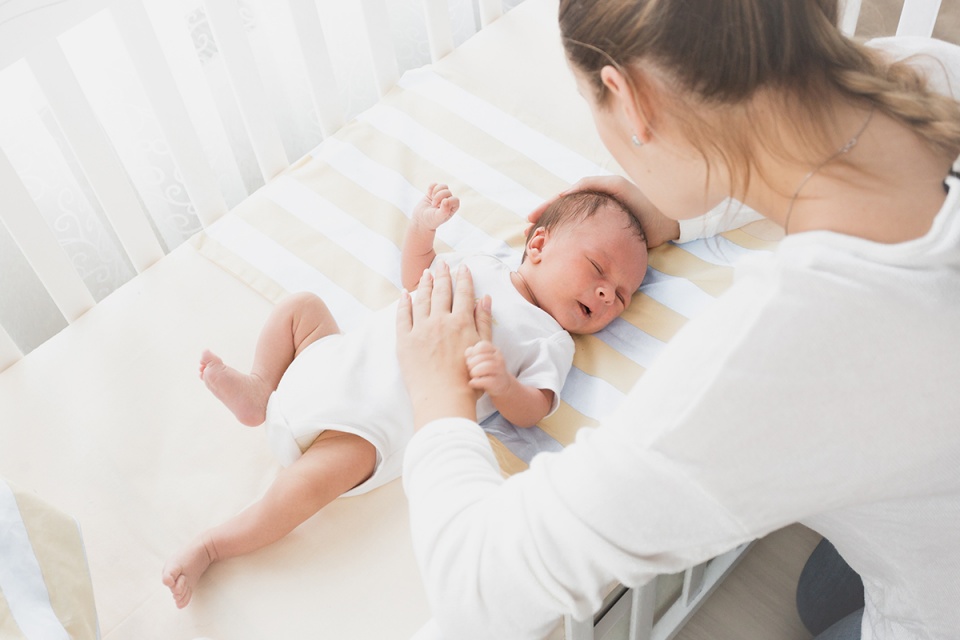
(351, 382)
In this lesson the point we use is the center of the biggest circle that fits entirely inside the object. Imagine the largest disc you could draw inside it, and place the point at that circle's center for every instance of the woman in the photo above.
(821, 388)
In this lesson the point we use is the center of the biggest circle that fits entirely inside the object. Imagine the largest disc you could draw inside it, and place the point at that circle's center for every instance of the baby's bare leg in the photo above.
(294, 324)
(335, 463)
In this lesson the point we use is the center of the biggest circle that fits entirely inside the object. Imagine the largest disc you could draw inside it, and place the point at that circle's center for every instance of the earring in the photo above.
(635, 139)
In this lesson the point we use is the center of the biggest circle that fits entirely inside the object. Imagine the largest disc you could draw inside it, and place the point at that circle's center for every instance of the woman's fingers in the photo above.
(442, 290)
(404, 311)
(483, 317)
(463, 300)
(422, 303)
(437, 295)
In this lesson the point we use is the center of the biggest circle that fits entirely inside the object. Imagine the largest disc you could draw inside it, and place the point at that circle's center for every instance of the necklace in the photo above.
(523, 281)
(850, 144)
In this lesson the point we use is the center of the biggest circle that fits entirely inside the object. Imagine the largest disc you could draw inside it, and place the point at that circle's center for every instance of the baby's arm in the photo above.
(436, 207)
(521, 404)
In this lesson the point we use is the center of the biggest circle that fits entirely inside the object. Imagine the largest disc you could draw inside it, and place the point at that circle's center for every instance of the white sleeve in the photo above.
(716, 445)
(507, 558)
(729, 214)
(549, 365)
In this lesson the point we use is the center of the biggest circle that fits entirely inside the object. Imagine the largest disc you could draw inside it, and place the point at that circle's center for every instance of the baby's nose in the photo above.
(605, 293)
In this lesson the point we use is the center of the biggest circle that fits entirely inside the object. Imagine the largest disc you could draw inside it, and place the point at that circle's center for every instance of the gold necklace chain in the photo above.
(850, 144)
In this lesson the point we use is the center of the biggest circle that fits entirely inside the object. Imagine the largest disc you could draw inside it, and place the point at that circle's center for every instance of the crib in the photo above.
(106, 421)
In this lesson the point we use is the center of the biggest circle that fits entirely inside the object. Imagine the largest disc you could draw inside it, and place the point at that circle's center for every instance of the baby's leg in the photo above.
(335, 463)
(295, 323)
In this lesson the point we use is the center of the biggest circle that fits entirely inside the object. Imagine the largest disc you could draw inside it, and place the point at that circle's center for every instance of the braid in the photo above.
(720, 53)
(901, 91)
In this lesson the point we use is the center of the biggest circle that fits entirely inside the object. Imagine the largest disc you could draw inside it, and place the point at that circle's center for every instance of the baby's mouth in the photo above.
(585, 309)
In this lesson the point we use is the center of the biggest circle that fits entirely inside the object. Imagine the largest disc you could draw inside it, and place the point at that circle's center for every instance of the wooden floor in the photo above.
(756, 601)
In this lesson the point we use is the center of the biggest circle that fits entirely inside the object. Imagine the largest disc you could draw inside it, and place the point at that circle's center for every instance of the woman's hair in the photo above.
(719, 53)
(578, 206)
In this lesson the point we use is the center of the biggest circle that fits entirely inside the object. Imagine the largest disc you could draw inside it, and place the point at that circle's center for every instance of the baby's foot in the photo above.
(183, 571)
(245, 395)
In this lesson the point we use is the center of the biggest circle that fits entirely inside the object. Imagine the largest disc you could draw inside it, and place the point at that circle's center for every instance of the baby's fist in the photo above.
(436, 207)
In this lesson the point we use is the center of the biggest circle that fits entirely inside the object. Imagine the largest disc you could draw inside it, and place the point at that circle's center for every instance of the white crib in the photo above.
(92, 373)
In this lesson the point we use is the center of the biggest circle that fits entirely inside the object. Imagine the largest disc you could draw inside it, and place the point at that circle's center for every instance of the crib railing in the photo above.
(29, 32)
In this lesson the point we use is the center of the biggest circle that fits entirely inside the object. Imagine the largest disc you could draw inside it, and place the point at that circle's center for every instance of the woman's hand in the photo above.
(434, 331)
(657, 227)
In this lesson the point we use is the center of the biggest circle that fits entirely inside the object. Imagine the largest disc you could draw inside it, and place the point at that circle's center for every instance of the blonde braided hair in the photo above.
(721, 53)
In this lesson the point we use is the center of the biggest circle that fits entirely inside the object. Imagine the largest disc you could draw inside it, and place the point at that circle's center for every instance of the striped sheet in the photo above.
(487, 180)
(391, 186)
(45, 589)
(355, 192)
(549, 154)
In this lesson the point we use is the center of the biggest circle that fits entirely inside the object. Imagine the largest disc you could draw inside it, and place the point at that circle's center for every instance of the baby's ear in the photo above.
(535, 244)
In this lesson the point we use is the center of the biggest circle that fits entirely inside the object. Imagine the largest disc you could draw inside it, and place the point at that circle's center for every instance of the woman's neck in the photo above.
(887, 187)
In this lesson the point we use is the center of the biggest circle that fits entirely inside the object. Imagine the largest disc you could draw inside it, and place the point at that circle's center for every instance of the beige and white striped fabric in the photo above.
(505, 130)
(45, 588)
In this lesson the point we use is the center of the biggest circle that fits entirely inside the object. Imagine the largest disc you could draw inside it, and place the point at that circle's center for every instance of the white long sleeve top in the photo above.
(823, 388)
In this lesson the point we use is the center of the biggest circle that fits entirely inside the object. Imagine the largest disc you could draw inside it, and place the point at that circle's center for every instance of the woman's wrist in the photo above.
(454, 402)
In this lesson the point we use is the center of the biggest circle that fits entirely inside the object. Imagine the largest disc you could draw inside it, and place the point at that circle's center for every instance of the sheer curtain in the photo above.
(30, 136)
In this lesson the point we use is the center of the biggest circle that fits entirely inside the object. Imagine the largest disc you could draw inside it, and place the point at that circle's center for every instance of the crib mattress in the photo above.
(109, 421)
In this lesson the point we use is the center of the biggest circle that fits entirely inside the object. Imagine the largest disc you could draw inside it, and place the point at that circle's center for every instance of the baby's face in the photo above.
(584, 274)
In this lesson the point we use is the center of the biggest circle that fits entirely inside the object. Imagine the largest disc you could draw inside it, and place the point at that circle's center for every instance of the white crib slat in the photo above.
(161, 90)
(40, 247)
(9, 353)
(490, 10)
(693, 581)
(316, 58)
(439, 32)
(386, 71)
(96, 154)
(643, 601)
(241, 65)
(850, 16)
(23, 24)
(918, 17)
(577, 629)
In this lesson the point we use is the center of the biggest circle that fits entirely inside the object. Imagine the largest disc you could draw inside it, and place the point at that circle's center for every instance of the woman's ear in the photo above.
(631, 97)
(535, 245)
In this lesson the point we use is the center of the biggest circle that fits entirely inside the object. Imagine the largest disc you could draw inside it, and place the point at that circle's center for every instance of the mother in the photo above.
(821, 388)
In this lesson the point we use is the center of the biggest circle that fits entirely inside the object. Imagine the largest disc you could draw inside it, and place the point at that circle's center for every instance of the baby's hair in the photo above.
(578, 206)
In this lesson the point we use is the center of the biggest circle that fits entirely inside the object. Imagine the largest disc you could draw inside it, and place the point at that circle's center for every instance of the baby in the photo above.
(333, 404)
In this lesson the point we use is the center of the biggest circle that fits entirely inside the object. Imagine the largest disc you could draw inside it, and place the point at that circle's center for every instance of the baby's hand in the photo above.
(488, 370)
(436, 207)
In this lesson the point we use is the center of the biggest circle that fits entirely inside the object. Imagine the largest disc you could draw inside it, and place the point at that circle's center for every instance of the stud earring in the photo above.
(635, 139)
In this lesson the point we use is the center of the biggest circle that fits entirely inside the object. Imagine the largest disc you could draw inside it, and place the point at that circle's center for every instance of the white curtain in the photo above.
(31, 139)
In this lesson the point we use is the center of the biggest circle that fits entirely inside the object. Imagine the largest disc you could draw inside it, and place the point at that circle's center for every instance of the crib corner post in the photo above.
(642, 607)
(577, 629)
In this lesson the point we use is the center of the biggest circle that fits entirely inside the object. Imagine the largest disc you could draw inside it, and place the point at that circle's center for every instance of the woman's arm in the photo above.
(658, 227)
(506, 559)
(698, 458)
